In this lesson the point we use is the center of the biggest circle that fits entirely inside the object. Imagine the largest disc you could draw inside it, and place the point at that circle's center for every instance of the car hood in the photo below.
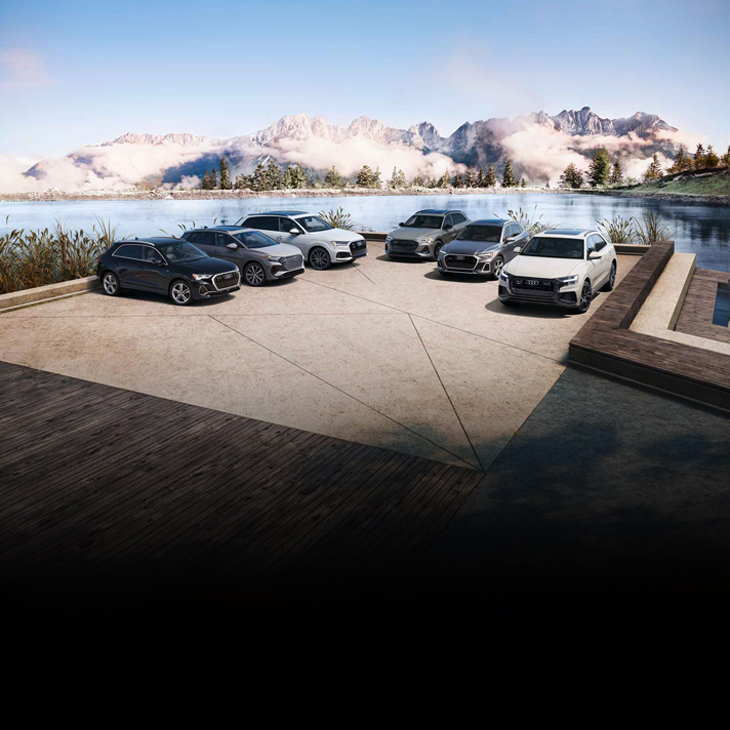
(207, 265)
(412, 234)
(470, 247)
(281, 249)
(339, 234)
(542, 267)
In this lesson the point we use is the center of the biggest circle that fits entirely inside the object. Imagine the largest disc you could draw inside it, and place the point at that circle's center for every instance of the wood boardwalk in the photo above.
(605, 342)
(699, 305)
(112, 500)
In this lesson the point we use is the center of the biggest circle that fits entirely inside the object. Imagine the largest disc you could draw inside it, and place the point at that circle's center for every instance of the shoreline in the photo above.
(108, 195)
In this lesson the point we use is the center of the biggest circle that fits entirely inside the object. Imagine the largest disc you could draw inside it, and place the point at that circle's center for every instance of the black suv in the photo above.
(167, 266)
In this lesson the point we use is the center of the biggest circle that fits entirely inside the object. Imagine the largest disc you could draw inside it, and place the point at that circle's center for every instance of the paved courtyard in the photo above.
(383, 353)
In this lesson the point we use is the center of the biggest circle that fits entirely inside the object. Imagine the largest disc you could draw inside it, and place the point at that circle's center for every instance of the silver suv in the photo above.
(320, 243)
(258, 257)
(424, 233)
(482, 248)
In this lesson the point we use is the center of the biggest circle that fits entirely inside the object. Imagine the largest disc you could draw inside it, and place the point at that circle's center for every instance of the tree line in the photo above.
(272, 177)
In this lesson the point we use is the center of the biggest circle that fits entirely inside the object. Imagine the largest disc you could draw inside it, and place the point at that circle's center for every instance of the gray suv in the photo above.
(258, 257)
(424, 233)
(483, 247)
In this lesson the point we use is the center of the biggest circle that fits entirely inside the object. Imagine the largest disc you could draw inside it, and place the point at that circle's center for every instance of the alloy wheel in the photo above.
(181, 293)
(585, 297)
(110, 284)
(437, 250)
(319, 259)
(254, 275)
(498, 264)
(612, 279)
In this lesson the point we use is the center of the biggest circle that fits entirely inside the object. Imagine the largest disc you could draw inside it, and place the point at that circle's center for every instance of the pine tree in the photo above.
(523, 184)
(443, 181)
(508, 176)
(398, 179)
(472, 178)
(699, 159)
(225, 175)
(295, 177)
(365, 177)
(654, 171)
(726, 157)
(205, 185)
(490, 181)
(458, 182)
(333, 179)
(213, 180)
(711, 158)
(680, 160)
(418, 181)
(481, 178)
(617, 174)
(572, 177)
(600, 168)
(274, 176)
(259, 179)
(377, 182)
(242, 182)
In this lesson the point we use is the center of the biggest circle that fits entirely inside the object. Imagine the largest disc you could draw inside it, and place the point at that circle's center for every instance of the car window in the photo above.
(222, 239)
(448, 222)
(458, 218)
(511, 231)
(129, 251)
(556, 248)
(286, 224)
(151, 255)
(313, 224)
(252, 239)
(518, 229)
(490, 234)
(424, 221)
(178, 251)
(591, 244)
(600, 243)
(264, 222)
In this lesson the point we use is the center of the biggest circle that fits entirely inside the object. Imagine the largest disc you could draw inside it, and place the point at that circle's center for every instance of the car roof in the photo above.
(279, 212)
(570, 232)
(491, 222)
(227, 229)
(153, 240)
(437, 211)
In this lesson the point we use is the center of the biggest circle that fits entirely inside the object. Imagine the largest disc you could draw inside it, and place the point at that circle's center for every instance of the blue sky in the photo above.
(77, 72)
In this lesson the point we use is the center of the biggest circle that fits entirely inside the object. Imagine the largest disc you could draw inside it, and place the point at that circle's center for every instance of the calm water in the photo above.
(700, 229)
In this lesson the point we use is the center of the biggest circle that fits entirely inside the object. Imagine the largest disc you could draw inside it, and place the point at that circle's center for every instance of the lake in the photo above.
(697, 228)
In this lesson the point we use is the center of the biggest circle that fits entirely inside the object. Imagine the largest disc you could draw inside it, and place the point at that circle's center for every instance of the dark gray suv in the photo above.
(483, 247)
(259, 258)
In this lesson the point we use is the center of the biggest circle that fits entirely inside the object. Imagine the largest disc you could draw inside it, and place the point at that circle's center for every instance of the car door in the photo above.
(596, 267)
(459, 222)
(152, 270)
(513, 237)
(128, 265)
(204, 240)
(602, 247)
(220, 249)
(448, 233)
(284, 235)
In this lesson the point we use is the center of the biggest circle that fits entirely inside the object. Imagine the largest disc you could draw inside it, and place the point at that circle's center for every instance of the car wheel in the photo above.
(437, 249)
(319, 259)
(611, 283)
(180, 293)
(254, 274)
(110, 284)
(586, 296)
(498, 264)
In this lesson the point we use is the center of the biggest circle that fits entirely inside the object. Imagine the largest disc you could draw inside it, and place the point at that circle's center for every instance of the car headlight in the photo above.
(274, 259)
(503, 276)
(340, 243)
(568, 280)
(388, 239)
(202, 277)
(486, 254)
(425, 240)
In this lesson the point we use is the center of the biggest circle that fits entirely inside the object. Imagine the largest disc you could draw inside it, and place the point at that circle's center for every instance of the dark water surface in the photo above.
(697, 228)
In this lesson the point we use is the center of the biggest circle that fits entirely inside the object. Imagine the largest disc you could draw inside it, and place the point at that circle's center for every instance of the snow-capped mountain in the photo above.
(539, 144)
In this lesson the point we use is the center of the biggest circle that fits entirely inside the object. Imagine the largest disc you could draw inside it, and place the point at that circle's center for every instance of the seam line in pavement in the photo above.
(446, 392)
(339, 390)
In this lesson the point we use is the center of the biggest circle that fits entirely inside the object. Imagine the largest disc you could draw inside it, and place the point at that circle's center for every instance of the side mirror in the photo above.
(232, 246)
(509, 239)
(593, 255)
(401, 224)
(294, 231)
(518, 249)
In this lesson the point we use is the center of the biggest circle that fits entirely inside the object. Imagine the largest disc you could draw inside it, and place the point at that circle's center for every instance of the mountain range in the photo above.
(540, 146)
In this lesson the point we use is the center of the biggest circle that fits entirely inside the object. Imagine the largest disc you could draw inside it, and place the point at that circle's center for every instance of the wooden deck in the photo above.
(699, 305)
(117, 501)
(606, 344)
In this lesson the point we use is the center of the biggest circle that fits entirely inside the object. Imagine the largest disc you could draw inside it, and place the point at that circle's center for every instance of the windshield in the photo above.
(177, 252)
(555, 248)
(254, 240)
(313, 224)
(490, 234)
(424, 221)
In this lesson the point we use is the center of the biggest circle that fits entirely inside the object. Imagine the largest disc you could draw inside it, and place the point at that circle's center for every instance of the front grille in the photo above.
(404, 245)
(223, 281)
(459, 261)
(358, 247)
(532, 287)
(292, 262)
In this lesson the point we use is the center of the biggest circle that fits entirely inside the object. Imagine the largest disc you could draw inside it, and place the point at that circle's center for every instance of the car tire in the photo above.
(611, 283)
(319, 259)
(110, 284)
(586, 296)
(437, 249)
(254, 274)
(498, 265)
(181, 293)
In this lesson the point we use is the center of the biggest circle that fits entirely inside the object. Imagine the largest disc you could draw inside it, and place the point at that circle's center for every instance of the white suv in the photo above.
(565, 268)
(321, 244)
